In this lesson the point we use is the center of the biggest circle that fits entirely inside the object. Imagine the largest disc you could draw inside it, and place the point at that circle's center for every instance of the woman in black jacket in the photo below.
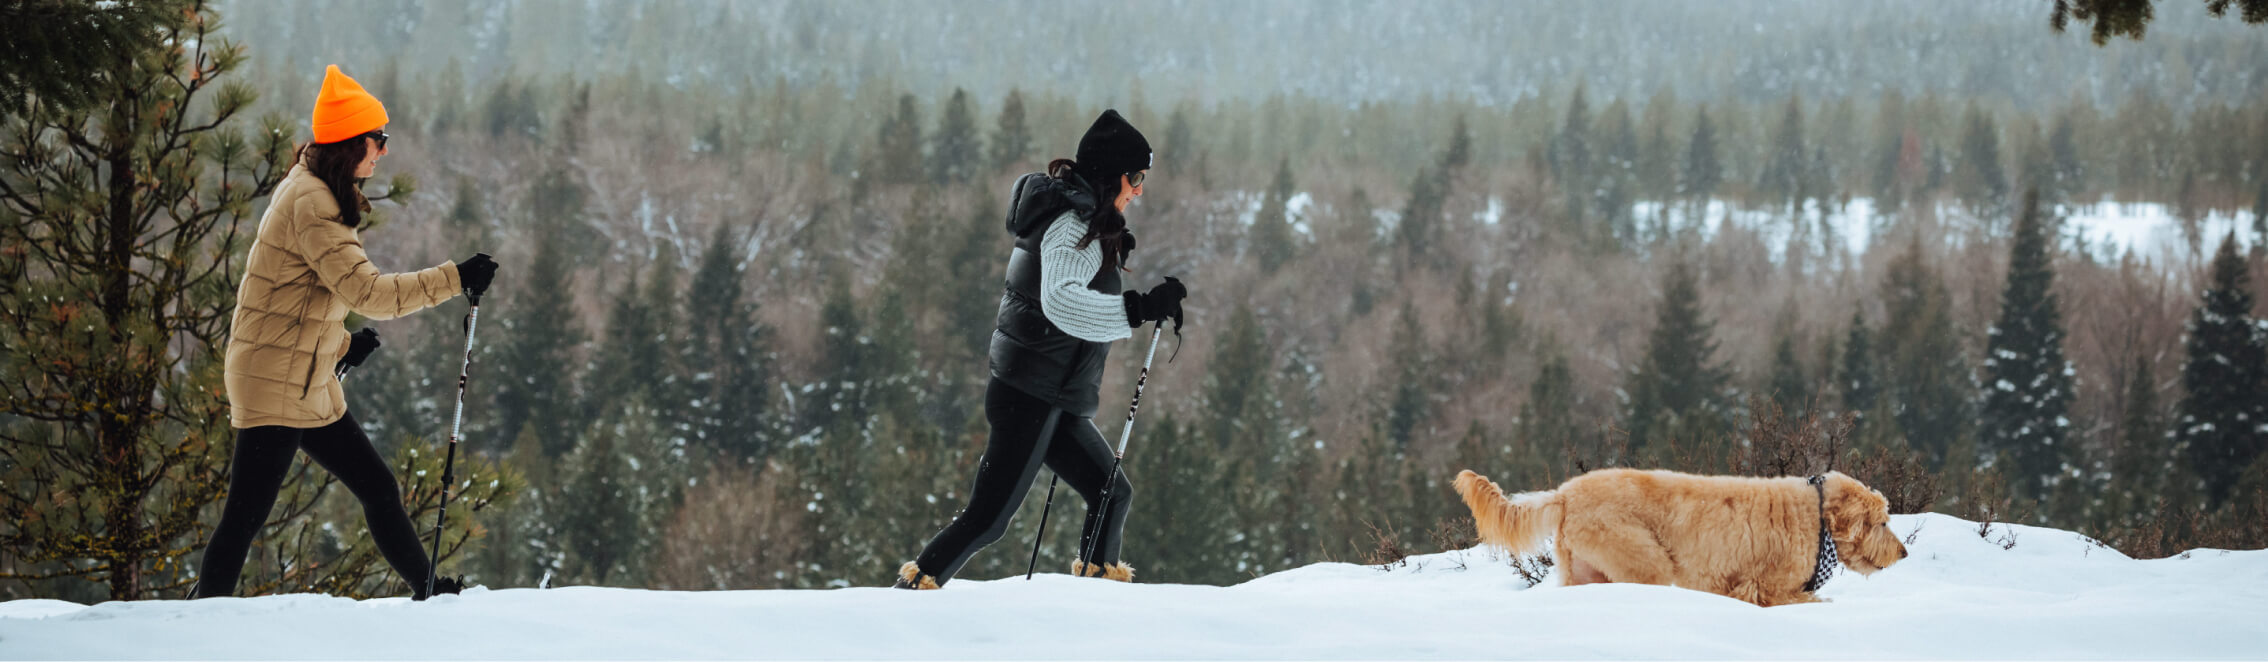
(1059, 314)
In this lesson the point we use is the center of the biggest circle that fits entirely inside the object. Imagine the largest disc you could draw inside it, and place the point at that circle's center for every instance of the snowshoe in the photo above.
(1115, 571)
(443, 585)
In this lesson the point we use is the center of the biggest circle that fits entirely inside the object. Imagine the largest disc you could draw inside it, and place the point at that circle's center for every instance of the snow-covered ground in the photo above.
(2054, 594)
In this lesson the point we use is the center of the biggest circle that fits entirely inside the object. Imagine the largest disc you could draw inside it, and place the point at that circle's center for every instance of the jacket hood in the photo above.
(1039, 198)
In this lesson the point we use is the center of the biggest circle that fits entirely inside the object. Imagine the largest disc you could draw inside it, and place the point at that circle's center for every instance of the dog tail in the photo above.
(1518, 524)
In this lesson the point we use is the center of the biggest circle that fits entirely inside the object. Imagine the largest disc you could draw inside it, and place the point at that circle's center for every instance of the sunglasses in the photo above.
(379, 136)
(1135, 178)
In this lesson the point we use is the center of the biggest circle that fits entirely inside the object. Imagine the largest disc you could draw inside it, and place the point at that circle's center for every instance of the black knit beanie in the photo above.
(1111, 148)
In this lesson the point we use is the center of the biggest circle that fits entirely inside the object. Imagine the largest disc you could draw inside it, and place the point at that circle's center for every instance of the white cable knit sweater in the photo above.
(1065, 271)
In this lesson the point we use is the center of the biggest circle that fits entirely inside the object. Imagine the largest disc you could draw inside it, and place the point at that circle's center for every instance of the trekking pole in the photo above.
(1042, 535)
(1047, 431)
(449, 466)
(1053, 479)
(1118, 456)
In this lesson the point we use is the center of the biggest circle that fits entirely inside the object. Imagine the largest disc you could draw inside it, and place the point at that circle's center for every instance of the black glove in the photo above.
(359, 347)
(475, 273)
(1162, 303)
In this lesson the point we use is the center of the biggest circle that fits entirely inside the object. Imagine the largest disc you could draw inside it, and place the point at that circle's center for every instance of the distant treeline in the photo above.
(1345, 51)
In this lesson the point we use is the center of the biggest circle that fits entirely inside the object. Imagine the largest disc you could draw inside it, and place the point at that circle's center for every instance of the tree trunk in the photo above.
(120, 425)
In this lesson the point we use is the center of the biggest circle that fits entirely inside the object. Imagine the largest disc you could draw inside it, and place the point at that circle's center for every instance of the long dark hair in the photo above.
(335, 163)
(1107, 223)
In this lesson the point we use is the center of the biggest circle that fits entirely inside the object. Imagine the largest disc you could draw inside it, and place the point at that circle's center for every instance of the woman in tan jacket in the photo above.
(307, 270)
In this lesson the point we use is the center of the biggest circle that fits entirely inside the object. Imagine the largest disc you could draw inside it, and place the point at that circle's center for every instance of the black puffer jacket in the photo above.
(1028, 351)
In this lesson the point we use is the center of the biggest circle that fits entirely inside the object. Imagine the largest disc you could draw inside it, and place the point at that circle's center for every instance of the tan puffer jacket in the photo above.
(305, 272)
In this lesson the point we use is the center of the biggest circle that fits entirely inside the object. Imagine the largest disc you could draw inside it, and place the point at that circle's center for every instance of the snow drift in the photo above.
(1961, 595)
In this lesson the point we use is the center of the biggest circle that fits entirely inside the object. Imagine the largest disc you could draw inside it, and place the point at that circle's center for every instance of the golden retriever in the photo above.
(1753, 539)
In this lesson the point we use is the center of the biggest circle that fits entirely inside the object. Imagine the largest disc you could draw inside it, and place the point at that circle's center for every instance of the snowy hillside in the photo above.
(2149, 229)
(2053, 594)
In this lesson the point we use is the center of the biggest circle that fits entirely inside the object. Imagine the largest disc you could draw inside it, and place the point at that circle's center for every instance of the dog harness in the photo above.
(1824, 566)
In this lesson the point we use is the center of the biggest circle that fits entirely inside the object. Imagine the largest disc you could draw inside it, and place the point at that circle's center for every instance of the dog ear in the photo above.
(1849, 505)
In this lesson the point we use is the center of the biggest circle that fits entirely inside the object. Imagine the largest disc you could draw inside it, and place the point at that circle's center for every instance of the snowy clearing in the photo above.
(2054, 594)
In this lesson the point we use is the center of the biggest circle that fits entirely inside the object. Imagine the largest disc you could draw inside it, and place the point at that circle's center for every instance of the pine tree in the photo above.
(897, 155)
(1657, 164)
(448, 97)
(2145, 133)
(1678, 386)
(123, 232)
(575, 121)
(1547, 420)
(2140, 462)
(1980, 181)
(1781, 182)
(1569, 153)
(2029, 385)
(955, 154)
(975, 241)
(1856, 379)
(597, 507)
(1619, 170)
(1703, 171)
(1500, 323)
(1011, 135)
(2035, 168)
(1889, 149)
(2116, 18)
(1938, 169)
(509, 111)
(2223, 417)
(2260, 214)
(1570, 157)
(852, 369)
(1459, 153)
(1273, 243)
(1926, 378)
(535, 371)
(1790, 387)
(1185, 520)
(468, 218)
(1181, 144)
(1820, 180)
(1422, 216)
(1409, 403)
(1912, 171)
(1239, 391)
(2067, 176)
(638, 358)
(728, 350)
(2189, 211)
(71, 56)
(1256, 449)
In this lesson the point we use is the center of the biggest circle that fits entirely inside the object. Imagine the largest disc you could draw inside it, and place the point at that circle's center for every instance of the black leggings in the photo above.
(1025, 432)
(263, 458)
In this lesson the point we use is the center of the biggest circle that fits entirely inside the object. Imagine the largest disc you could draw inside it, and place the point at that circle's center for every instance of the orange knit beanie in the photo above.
(343, 110)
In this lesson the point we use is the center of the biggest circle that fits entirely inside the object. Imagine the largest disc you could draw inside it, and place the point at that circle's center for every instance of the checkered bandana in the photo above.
(1824, 567)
